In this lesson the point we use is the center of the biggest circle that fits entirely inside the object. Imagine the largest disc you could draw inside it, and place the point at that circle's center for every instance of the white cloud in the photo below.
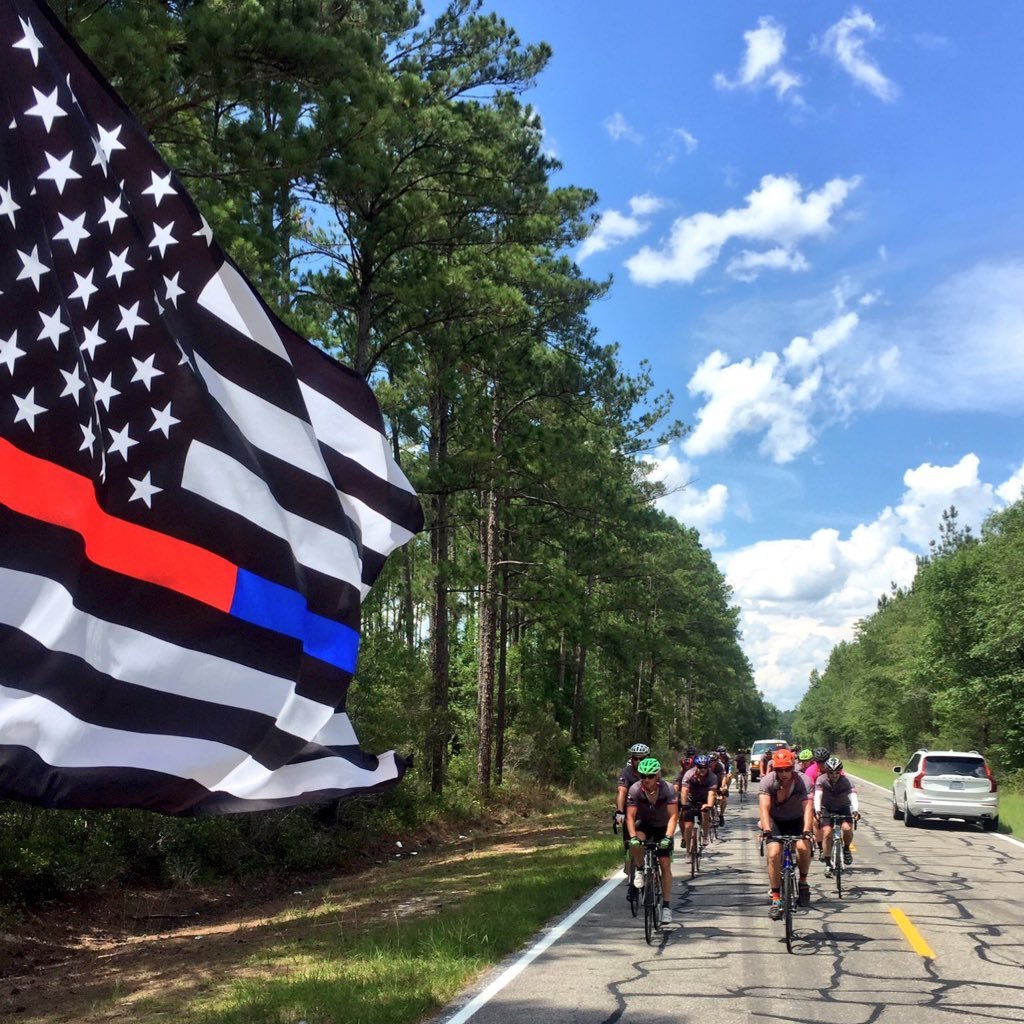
(688, 140)
(800, 597)
(613, 228)
(807, 351)
(780, 398)
(930, 489)
(751, 397)
(747, 266)
(762, 63)
(962, 347)
(643, 206)
(780, 211)
(845, 42)
(1010, 490)
(618, 128)
(701, 509)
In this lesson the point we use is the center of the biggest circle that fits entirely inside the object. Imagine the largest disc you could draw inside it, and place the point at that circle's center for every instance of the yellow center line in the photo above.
(913, 936)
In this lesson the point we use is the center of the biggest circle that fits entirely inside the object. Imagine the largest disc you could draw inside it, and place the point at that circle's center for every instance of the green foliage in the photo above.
(939, 664)
(378, 177)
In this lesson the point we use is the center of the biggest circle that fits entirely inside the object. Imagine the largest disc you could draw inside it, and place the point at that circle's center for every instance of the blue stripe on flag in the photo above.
(272, 606)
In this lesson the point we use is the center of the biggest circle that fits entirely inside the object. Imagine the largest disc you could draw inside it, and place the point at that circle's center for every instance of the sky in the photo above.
(813, 218)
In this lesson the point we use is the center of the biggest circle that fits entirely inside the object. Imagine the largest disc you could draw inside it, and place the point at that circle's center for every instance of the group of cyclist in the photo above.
(799, 792)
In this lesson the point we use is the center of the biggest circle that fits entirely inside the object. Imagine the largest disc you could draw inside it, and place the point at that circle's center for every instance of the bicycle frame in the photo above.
(788, 889)
(652, 890)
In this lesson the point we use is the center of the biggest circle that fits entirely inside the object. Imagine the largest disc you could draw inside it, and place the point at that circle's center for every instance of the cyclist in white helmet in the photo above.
(627, 777)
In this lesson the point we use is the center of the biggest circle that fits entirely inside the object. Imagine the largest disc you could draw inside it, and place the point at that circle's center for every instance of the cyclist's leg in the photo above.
(774, 856)
(826, 841)
(665, 859)
(637, 852)
(847, 833)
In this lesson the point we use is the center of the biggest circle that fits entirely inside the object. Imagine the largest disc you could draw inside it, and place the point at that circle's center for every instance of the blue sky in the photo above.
(813, 214)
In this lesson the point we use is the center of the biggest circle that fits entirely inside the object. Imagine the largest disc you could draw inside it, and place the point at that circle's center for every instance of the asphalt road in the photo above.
(723, 960)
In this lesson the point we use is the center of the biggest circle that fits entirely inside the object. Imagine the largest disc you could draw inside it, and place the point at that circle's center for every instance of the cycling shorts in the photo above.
(787, 827)
(846, 814)
(658, 833)
(690, 811)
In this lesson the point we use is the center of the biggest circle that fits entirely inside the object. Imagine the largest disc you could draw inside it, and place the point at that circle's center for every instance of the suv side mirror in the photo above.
(898, 770)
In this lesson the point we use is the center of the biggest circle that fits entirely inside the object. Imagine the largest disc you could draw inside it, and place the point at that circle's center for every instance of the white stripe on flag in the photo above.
(348, 435)
(44, 610)
(217, 477)
(338, 732)
(62, 741)
(264, 425)
(227, 296)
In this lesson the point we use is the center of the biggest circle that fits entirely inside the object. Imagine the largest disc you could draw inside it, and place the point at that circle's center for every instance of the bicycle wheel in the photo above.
(788, 896)
(837, 862)
(659, 898)
(694, 851)
(650, 904)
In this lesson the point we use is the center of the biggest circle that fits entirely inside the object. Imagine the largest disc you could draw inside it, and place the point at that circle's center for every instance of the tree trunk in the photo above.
(499, 725)
(488, 625)
(440, 557)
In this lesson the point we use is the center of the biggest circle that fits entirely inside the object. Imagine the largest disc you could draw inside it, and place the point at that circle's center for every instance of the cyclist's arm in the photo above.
(620, 798)
(712, 790)
(817, 800)
(808, 814)
(631, 821)
(684, 794)
(854, 804)
(673, 820)
(764, 802)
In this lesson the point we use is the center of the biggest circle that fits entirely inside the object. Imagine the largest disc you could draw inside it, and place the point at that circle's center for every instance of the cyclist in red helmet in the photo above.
(786, 809)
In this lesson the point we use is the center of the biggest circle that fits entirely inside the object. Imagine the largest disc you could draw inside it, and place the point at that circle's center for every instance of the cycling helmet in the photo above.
(833, 764)
(721, 749)
(822, 754)
(782, 759)
(690, 751)
(701, 761)
(805, 755)
(639, 750)
(648, 766)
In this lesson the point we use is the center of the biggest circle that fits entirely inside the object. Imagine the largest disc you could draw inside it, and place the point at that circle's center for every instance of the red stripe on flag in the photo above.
(48, 492)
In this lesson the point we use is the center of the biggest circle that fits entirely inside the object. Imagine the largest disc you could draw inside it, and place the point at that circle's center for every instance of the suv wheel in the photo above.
(990, 824)
(909, 818)
(896, 812)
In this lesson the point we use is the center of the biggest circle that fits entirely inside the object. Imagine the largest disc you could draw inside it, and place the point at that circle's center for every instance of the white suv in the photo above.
(945, 784)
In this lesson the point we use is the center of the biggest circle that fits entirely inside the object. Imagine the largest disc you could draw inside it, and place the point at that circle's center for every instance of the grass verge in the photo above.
(1011, 805)
(415, 939)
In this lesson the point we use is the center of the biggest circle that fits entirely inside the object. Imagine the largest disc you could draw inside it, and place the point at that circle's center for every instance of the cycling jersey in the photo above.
(697, 789)
(628, 776)
(792, 807)
(837, 796)
(652, 813)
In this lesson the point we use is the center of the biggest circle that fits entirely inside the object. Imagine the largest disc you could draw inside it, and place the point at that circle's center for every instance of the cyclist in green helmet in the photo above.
(652, 811)
(804, 758)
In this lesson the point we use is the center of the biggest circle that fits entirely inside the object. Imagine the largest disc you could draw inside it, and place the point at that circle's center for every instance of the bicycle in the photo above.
(652, 894)
(632, 894)
(741, 785)
(698, 840)
(835, 863)
(788, 891)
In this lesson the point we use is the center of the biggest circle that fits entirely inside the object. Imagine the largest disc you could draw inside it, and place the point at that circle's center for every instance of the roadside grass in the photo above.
(1011, 805)
(414, 940)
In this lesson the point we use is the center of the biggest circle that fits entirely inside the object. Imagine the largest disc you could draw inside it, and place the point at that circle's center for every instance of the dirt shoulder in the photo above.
(130, 954)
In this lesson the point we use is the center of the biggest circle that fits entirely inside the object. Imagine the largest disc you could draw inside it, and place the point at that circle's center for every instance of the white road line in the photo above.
(535, 951)
(992, 835)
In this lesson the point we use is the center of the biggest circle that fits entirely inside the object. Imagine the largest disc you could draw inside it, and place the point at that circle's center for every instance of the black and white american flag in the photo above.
(193, 499)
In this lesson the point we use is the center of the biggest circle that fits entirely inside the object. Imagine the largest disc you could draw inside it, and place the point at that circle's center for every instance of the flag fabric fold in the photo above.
(193, 499)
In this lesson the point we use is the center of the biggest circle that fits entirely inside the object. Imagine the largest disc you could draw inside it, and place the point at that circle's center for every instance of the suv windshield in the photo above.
(973, 767)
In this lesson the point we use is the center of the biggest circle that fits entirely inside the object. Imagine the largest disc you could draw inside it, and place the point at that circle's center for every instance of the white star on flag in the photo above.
(72, 232)
(130, 319)
(163, 420)
(47, 108)
(53, 327)
(8, 207)
(145, 371)
(105, 391)
(85, 290)
(161, 187)
(9, 352)
(27, 409)
(121, 442)
(60, 172)
(112, 212)
(30, 42)
(32, 267)
(73, 383)
(143, 490)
